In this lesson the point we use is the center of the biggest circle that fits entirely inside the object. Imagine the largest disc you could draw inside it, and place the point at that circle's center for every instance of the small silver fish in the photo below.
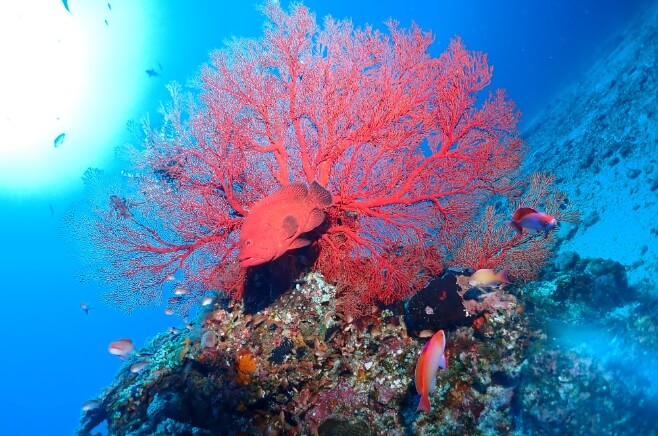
(59, 140)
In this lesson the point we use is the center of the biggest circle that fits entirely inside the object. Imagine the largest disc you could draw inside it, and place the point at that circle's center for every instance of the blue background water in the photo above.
(54, 356)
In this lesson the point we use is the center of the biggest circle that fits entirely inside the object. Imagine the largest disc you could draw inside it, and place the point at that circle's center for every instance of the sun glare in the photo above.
(69, 82)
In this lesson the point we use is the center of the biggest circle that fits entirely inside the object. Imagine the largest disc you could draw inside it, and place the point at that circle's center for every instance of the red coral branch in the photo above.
(398, 138)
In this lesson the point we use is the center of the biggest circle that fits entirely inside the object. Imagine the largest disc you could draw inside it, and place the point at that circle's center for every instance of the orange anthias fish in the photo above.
(275, 223)
(488, 278)
(528, 218)
(121, 348)
(431, 359)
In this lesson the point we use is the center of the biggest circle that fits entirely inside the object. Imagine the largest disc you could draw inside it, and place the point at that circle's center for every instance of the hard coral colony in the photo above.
(396, 137)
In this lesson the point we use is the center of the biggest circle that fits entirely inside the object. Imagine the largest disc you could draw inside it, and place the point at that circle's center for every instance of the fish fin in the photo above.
(443, 363)
(314, 220)
(290, 226)
(299, 243)
(516, 225)
(521, 212)
(280, 198)
(320, 195)
(424, 405)
(294, 190)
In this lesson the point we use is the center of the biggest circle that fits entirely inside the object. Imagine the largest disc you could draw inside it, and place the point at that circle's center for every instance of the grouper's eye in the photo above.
(247, 242)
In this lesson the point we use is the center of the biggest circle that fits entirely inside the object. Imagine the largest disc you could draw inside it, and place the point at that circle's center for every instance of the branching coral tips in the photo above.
(275, 223)
(529, 218)
(431, 359)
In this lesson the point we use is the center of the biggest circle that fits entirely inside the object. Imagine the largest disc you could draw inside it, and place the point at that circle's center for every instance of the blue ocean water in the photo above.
(55, 356)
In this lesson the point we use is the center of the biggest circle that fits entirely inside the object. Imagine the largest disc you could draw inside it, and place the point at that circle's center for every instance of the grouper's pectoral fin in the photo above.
(299, 243)
(290, 226)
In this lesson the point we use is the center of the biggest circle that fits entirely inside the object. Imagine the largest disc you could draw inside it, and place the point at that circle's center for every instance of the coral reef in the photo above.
(572, 353)
(594, 369)
(525, 359)
(301, 366)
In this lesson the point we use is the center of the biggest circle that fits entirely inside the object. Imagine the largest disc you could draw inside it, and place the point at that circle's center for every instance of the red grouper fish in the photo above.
(275, 223)
(529, 218)
(431, 359)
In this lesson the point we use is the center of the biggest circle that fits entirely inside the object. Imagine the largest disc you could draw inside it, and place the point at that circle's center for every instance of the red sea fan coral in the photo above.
(405, 143)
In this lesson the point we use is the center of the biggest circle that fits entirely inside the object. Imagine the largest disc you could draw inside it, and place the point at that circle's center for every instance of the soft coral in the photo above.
(403, 141)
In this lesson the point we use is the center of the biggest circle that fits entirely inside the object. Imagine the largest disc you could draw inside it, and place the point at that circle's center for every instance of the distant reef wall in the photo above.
(600, 139)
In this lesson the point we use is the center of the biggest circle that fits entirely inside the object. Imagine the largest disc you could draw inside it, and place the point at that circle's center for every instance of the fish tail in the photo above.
(424, 405)
(503, 277)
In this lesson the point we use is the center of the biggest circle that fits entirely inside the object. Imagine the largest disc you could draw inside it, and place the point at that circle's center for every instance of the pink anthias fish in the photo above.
(121, 347)
(86, 308)
(277, 223)
(529, 219)
(431, 359)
